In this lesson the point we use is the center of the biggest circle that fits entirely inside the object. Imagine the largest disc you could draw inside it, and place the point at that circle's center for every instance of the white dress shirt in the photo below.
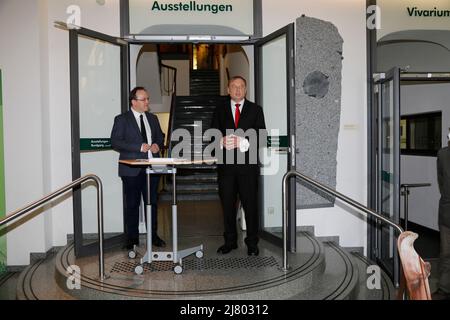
(148, 131)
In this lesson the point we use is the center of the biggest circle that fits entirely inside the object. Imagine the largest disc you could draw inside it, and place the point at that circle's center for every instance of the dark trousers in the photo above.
(246, 186)
(444, 261)
(135, 189)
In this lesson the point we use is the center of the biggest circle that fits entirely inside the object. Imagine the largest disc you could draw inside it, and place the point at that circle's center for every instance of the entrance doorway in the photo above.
(269, 64)
(418, 128)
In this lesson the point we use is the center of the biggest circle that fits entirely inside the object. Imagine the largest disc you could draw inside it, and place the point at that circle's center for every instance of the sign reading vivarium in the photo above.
(194, 17)
(407, 15)
(416, 12)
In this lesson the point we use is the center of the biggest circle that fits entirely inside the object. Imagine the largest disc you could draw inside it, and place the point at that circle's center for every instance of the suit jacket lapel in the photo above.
(133, 123)
(244, 113)
(229, 115)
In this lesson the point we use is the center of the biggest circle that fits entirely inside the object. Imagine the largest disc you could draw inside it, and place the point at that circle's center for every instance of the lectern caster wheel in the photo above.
(132, 254)
(199, 254)
(139, 269)
(178, 269)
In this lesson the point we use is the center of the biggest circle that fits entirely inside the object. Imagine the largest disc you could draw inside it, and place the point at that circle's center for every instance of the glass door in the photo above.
(99, 91)
(274, 65)
(387, 96)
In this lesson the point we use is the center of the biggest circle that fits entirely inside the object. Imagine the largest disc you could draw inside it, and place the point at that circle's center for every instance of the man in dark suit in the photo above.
(136, 134)
(238, 171)
(443, 175)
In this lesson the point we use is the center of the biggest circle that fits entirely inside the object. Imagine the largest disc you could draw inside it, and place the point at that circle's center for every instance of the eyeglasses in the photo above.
(143, 99)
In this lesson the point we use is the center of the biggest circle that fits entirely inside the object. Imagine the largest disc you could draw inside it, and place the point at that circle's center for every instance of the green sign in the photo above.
(278, 141)
(2, 187)
(387, 177)
(95, 144)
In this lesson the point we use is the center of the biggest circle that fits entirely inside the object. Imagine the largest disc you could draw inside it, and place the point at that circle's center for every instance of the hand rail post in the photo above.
(101, 247)
(285, 211)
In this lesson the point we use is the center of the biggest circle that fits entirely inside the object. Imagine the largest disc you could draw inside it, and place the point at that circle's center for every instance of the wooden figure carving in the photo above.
(415, 270)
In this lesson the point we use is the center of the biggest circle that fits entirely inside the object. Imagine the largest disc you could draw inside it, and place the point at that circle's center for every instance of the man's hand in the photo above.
(145, 147)
(230, 142)
(154, 148)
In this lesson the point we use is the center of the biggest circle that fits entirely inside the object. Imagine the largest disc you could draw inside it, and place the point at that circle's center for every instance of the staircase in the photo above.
(195, 182)
(205, 82)
(320, 270)
(194, 113)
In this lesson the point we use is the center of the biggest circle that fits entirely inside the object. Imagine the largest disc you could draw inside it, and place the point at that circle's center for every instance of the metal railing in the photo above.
(330, 191)
(405, 192)
(34, 205)
(168, 79)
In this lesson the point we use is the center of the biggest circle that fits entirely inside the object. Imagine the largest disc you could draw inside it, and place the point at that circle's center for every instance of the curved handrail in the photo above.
(170, 88)
(330, 191)
(20, 212)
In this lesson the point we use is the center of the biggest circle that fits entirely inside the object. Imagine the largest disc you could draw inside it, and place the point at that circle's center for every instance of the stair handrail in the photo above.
(38, 203)
(171, 124)
(171, 87)
(168, 147)
(330, 191)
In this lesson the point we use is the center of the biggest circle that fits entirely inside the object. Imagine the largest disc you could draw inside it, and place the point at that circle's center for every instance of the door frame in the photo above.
(374, 227)
(289, 31)
(74, 33)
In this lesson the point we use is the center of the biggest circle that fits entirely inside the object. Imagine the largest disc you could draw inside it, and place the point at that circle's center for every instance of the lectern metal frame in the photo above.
(175, 255)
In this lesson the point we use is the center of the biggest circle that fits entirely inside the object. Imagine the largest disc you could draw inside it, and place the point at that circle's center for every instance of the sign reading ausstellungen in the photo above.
(193, 17)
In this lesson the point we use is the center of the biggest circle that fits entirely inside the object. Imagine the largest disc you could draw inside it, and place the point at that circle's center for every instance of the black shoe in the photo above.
(253, 251)
(158, 242)
(226, 248)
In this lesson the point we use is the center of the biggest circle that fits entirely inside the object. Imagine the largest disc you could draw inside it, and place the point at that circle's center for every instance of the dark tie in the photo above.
(237, 115)
(143, 132)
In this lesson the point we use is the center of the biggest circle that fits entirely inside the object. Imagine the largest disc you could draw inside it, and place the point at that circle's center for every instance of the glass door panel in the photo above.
(388, 198)
(98, 95)
(275, 95)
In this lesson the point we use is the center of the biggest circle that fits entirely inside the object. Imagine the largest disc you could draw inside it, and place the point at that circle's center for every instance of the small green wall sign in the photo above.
(278, 141)
(95, 144)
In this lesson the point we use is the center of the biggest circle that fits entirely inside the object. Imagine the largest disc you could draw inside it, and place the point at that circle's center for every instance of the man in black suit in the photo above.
(239, 171)
(136, 134)
(443, 175)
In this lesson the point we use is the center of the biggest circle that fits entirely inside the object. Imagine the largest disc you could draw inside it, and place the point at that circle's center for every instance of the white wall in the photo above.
(419, 57)
(237, 63)
(424, 202)
(37, 112)
(350, 19)
(23, 122)
(148, 73)
(183, 75)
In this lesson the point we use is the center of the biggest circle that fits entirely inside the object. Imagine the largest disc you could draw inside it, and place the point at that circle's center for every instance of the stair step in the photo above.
(194, 188)
(339, 280)
(190, 197)
(211, 178)
(387, 290)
